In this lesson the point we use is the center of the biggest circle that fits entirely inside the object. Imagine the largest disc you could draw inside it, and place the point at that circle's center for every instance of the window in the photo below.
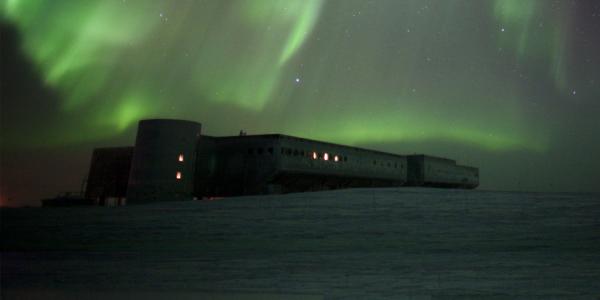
(345, 158)
(326, 156)
(314, 155)
(270, 150)
(336, 158)
(180, 157)
(296, 152)
(178, 175)
(260, 150)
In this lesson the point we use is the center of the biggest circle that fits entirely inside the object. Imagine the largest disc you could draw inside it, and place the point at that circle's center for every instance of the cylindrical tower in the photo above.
(164, 160)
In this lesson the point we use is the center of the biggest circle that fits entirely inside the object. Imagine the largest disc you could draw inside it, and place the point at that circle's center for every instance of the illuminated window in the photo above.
(180, 157)
(326, 156)
(178, 175)
(336, 158)
(314, 155)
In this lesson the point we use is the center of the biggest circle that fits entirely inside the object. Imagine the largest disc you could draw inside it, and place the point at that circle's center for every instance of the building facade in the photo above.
(172, 160)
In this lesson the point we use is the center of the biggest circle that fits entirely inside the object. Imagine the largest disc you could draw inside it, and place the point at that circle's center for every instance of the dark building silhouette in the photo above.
(172, 160)
(434, 171)
(164, 160)
(109, 173)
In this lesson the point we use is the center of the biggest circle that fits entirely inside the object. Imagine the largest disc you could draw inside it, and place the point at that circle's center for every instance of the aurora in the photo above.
(491, 77)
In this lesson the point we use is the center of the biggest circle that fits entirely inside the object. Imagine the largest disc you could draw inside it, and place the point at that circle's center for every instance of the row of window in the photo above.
(316, 155)
(296, 152)
(260, 151)
(326, 156)
(389, 164)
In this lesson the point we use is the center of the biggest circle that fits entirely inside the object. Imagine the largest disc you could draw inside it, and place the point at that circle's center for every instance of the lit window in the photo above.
(336, 158)
(326, 156)
(180, 157)
(178, 175)
(314, 155)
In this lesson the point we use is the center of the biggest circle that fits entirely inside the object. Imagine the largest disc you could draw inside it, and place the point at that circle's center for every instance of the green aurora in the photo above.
(488, 75)
(142, 57)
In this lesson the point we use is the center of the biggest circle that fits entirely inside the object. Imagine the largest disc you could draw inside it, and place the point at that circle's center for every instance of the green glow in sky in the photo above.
(510, 86)
(527, 30)
(346, 71)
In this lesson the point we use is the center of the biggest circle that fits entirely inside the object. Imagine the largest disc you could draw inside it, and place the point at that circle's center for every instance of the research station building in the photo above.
(173, 160)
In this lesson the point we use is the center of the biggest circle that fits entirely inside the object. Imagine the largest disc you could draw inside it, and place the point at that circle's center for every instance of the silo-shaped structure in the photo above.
(164, 160)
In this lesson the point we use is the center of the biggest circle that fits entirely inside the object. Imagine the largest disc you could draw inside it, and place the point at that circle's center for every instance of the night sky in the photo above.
(510, 86)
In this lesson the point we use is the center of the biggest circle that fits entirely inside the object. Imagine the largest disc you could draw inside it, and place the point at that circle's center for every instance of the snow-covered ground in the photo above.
(396, 243)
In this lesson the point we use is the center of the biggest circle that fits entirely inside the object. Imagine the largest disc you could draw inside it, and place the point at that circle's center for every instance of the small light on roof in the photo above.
(178, 175)
(326, 156)
(314, 155)
(180, 157)
(336, 158)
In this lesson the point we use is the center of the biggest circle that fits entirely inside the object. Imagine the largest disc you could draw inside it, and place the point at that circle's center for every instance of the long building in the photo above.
(172, 160)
